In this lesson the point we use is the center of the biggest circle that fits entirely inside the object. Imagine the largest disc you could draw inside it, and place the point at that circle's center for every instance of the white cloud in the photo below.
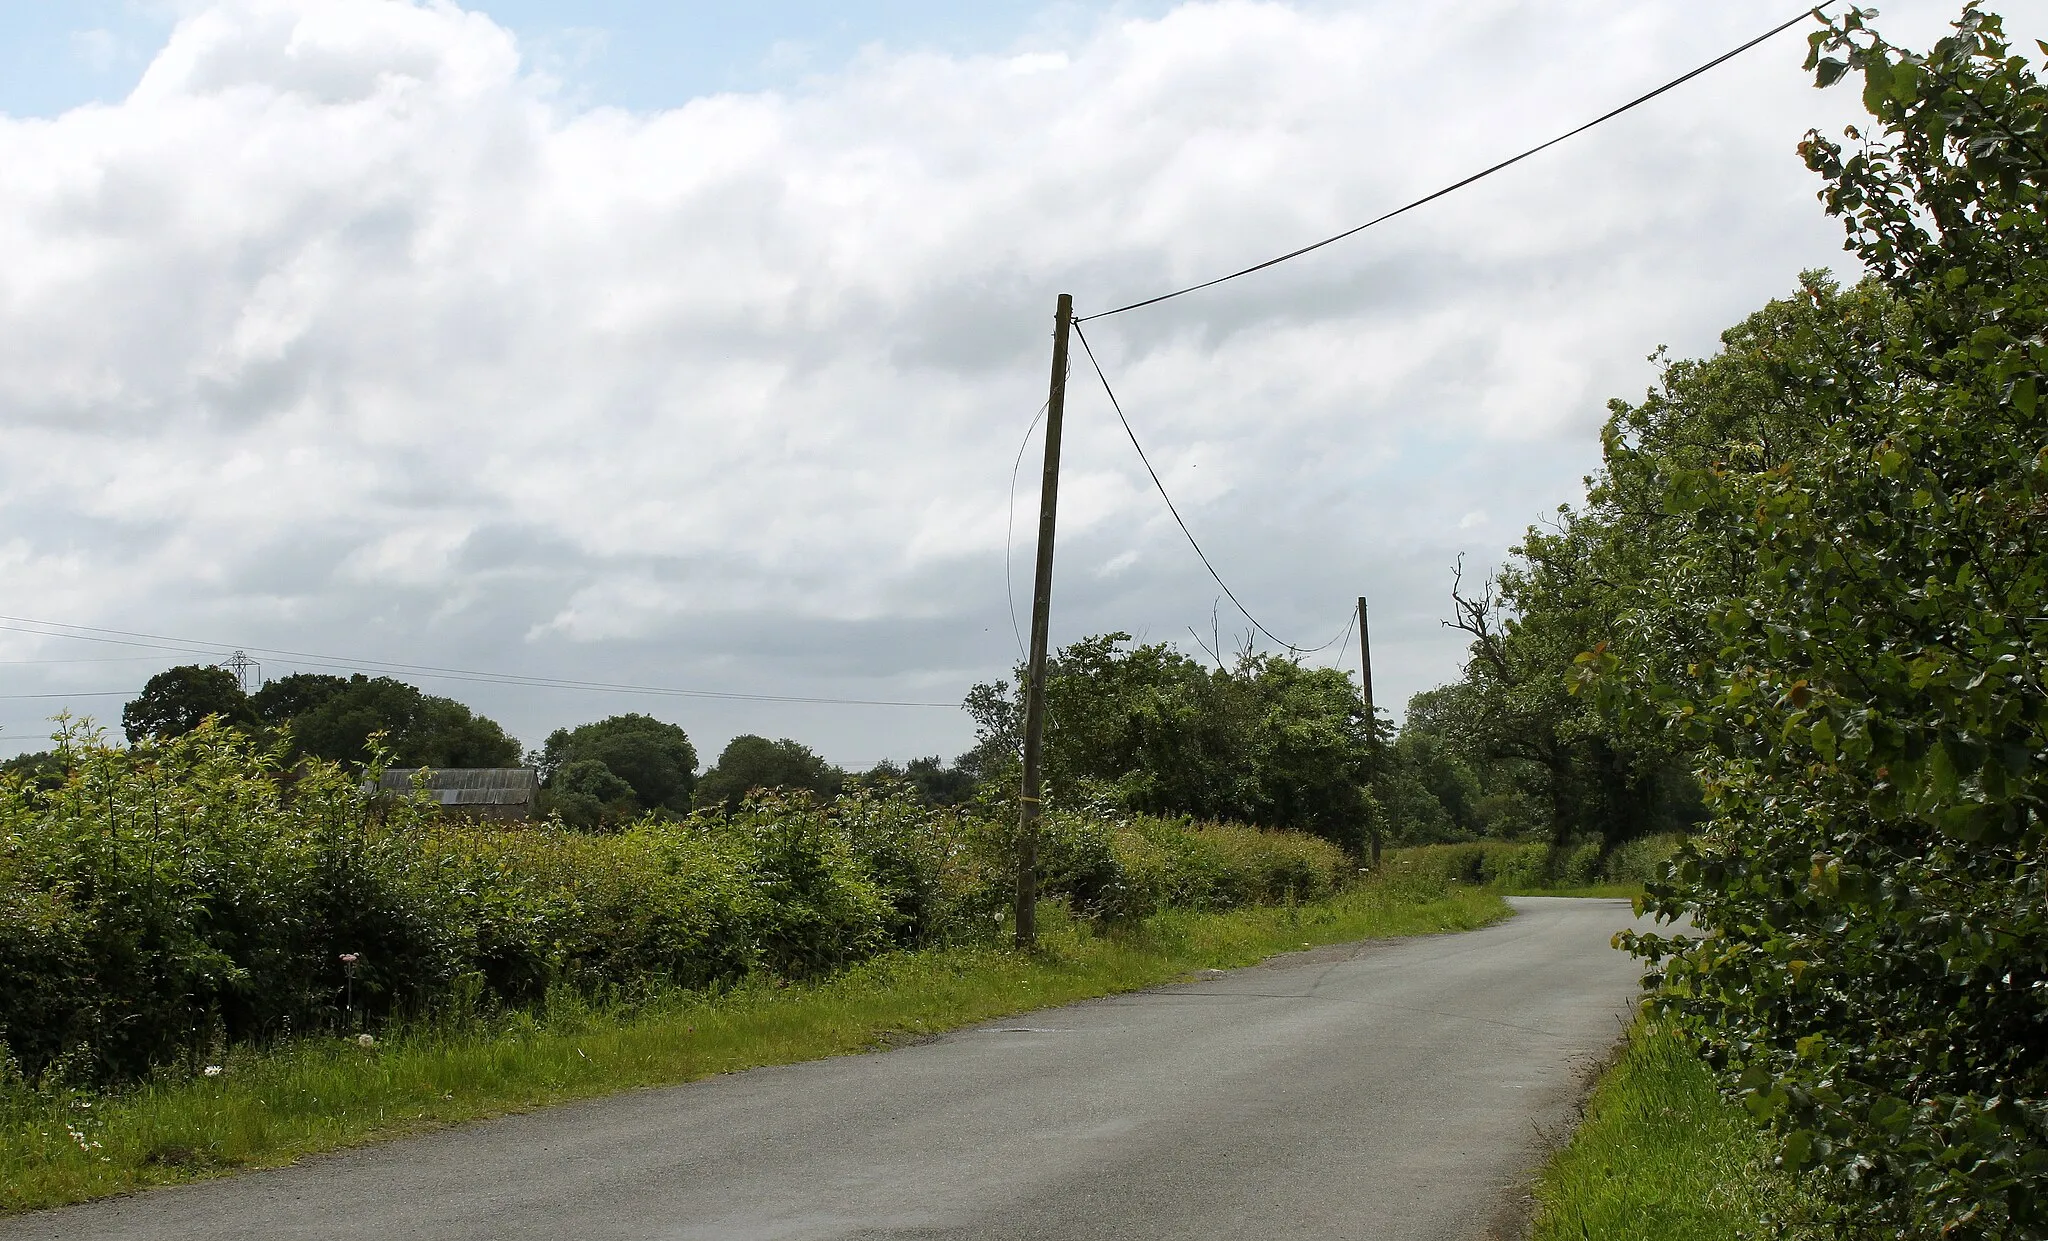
(347, 331)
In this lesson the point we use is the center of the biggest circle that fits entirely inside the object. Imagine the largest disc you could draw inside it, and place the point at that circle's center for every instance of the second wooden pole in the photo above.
(1041, 618)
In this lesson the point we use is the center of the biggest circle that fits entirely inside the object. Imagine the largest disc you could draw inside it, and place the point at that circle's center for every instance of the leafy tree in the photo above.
(748, 763)
(420, 730)
(588, 794)
(998, 716)
(1561, 593)
(1148, 728)
(1436, 782)
(654, 759)
(937, 784)
(288, 697)
(43, 769)
(1841, 616)
(174, 701)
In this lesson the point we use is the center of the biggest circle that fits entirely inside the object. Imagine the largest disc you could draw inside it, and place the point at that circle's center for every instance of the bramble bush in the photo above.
(160, 902)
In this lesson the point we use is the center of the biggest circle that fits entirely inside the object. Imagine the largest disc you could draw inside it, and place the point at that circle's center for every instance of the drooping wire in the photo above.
(1481, 175)
(1344, 643)
(183, 646)
(1117, 405)
(1010, 532)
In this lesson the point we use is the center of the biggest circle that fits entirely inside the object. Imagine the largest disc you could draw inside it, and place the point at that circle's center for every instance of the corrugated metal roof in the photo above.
(471, 786)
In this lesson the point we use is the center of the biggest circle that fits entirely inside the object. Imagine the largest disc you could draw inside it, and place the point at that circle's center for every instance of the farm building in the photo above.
(504, 793)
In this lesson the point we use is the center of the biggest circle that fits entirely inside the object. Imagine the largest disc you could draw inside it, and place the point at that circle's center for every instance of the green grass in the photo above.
(272, 1106)
(1618, 891)
(1662, 1156)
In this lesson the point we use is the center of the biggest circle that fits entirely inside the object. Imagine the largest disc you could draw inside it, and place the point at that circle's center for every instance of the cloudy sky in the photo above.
(690, 346)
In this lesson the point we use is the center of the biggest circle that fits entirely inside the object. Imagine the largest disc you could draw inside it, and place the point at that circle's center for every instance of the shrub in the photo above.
(159, 901)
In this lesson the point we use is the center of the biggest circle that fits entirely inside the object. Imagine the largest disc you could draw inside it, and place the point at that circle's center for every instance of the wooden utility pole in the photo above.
(1041, 617)
(1364, 659)
(1372, 720)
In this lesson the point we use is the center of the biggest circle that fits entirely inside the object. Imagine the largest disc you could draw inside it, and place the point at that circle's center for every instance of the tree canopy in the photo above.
(176, 700)
(420, 730)
(1811, 572)
(288, 697)
(1268, 741)
(749, 762)
(328, 717)
(617, 768)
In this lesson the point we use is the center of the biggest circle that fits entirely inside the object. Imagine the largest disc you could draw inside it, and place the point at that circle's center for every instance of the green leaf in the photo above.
(1829, 72)
(1940, 773)
(1822, 737)
(1877, 85)
(1798, 1148)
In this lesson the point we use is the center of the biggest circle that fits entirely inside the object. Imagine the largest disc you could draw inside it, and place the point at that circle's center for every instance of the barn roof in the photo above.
(470, 786)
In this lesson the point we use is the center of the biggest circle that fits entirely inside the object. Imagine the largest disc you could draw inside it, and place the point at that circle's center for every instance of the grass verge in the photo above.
(272, 1106)
(1617, 891)
(1662, 1155)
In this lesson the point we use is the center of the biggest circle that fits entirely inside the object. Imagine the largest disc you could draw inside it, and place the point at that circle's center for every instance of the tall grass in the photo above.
(269, 1106)
(1662, 1156)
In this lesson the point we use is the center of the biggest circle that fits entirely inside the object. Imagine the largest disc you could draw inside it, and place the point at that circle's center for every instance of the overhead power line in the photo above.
(1344, 640)
(1192, 542)
(183, 646)
(1481, 175)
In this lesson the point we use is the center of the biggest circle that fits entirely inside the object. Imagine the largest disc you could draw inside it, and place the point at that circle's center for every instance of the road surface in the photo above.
(1396, 1091)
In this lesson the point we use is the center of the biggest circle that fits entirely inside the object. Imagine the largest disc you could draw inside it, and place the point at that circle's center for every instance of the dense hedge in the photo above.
(1842, 613)
(1536, 865)
(158, 902)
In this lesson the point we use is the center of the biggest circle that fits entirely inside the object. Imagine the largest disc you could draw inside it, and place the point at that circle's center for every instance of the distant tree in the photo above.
(998, 715)
(654, 759)
(1267, 742)
(749, 762)
(288, 697)
(937, 784)
(589, 795)
(43, 768)
(420, 730)
(174, 701)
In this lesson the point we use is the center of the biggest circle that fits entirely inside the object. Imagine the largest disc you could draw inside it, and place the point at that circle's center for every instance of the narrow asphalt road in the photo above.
(1399, 1090)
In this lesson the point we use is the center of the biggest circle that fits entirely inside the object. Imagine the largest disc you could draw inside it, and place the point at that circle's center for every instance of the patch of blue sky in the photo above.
(637, 54)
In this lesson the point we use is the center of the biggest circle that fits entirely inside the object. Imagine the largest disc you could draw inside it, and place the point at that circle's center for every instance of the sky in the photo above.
(692, 347)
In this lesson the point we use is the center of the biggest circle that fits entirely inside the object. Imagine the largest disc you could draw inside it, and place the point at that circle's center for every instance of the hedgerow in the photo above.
(1857, 580)
(160, 902)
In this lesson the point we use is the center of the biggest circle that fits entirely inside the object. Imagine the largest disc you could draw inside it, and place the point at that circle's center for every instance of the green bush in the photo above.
(1114, 868)
(162, 901)
(1850, 568)
(1642, 860)
(1534, 866)
(1473, 862)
